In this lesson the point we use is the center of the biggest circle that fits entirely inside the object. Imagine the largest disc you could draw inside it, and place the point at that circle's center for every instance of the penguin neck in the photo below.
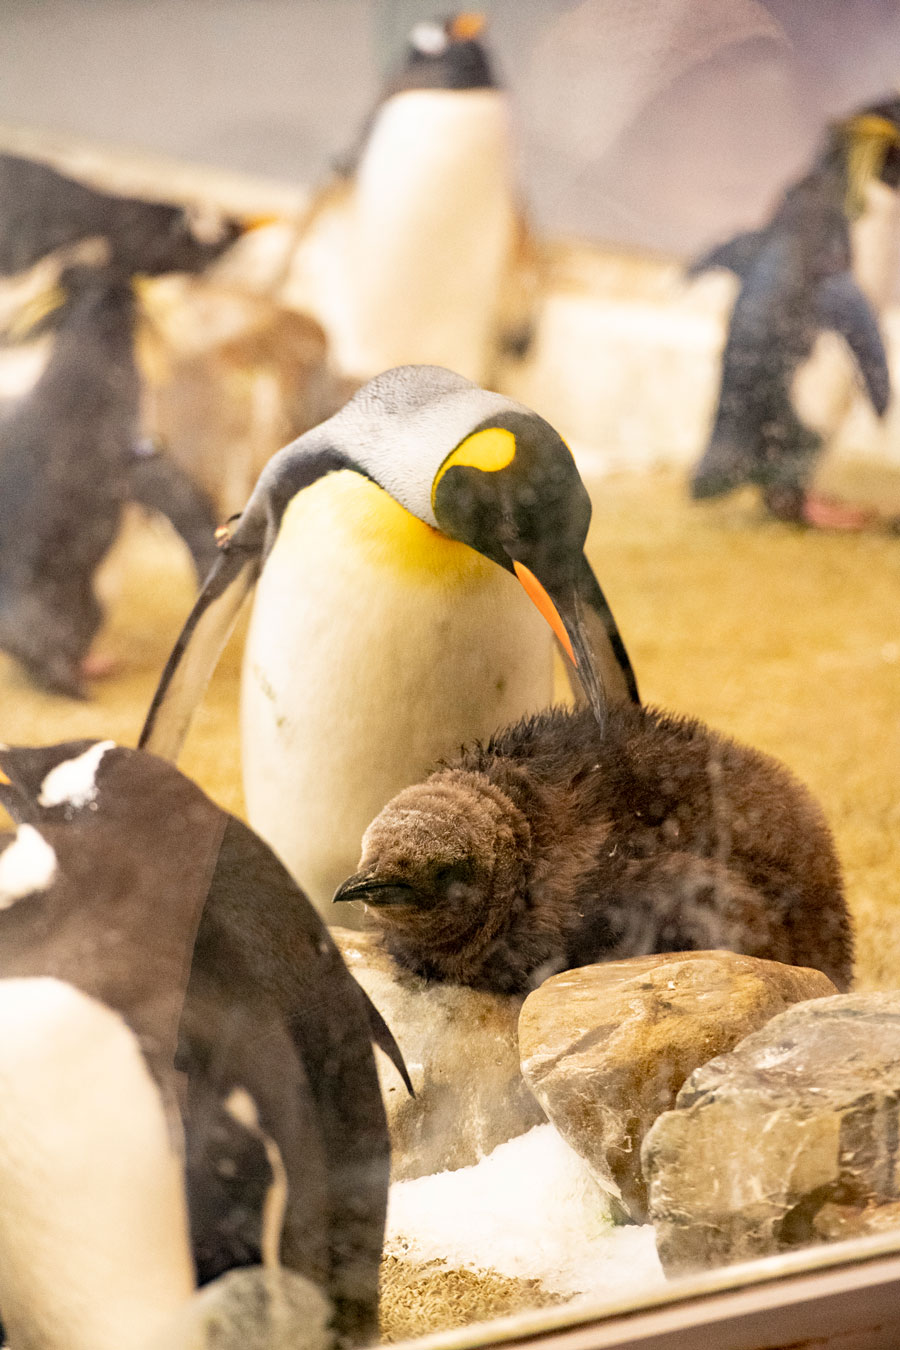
(365, 519)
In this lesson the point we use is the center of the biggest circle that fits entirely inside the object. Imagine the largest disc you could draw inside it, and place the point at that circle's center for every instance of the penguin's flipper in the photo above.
(607, 647)
(194, 656)
(737, 255)
(158, 484)
(383, 1037)
(843, 307)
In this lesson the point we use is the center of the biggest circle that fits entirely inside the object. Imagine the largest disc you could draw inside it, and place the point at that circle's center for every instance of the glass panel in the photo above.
(635, 956)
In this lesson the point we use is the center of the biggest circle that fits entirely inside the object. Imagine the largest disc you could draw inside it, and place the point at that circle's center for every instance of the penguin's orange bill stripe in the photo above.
(467, 26)
(539, 597)
(4, 779)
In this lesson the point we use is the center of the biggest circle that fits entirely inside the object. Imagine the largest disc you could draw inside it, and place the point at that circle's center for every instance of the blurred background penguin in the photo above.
(418, 251)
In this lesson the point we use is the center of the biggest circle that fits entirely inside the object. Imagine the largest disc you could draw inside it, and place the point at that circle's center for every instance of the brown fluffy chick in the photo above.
(557, 845)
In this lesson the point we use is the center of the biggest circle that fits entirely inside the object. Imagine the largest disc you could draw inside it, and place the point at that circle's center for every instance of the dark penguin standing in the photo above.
(796, 281)
(42, 210)
(133, 907)
(68, 464)
(555, 846)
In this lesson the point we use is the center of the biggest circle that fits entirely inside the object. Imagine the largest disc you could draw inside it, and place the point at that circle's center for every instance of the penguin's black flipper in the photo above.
(16, 805)
(608, 649)
(283, 946)
(843, 307)
(194, 656)
(384, 1039)
(737, 255)
(158, 484)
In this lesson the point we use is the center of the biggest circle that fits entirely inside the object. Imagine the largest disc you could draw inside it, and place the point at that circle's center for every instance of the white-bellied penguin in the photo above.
(408, 256)
(797, 281)
(185, 1060)
(389, 625)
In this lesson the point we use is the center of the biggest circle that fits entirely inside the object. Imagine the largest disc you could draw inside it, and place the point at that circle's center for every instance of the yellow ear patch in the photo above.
(488, 450)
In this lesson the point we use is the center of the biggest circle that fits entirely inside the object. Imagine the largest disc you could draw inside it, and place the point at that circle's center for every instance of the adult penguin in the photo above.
(388, 625)
(796, 281)
(42, 209)
(216, 1050)
(69, 463)
(408, 255)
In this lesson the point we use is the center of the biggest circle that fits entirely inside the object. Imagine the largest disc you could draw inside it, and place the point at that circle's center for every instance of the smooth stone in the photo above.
(462, 1054)
(605, 1048)
(255, 1308)
(788, 1140)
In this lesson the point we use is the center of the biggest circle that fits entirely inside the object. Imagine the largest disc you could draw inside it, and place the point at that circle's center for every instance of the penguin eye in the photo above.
(455, 879)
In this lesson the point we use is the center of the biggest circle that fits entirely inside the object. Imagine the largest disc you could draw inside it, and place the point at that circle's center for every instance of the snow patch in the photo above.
(27, 865)
(74, 781)
(531, 1210)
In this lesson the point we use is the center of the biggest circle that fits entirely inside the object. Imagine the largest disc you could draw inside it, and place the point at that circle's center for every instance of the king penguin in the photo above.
(396, 549)
(185, 1060)
(408, 255)
(797, 281)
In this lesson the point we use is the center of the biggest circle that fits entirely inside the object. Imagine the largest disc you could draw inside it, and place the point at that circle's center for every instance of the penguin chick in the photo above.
(796, 281)
(555, 846)
(68, 465)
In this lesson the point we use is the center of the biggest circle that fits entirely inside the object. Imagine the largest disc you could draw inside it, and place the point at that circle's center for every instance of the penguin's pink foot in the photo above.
(827, 513)
(99, 665)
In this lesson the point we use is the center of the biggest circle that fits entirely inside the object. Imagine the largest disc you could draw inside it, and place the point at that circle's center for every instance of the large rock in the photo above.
(606, 1048)
(790, 1139)
(462, 1054)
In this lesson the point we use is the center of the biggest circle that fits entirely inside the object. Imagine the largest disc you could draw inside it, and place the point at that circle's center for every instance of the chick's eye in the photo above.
(453, 875)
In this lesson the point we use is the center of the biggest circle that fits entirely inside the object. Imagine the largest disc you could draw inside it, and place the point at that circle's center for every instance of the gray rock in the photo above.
(252, 1309)
(462, 1054)
(789, 1139)
(605, 1048)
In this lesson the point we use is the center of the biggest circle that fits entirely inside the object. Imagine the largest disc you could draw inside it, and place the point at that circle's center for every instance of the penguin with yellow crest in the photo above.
(397, 549)
(797, 281)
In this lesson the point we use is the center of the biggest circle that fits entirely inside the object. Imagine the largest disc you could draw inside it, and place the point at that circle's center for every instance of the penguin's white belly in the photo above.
(376, 646)
(94, 1248)
(430, 233)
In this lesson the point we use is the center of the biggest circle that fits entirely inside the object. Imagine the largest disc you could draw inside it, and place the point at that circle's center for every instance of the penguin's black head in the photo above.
(446, 54)
(84, 779)
(511, 491)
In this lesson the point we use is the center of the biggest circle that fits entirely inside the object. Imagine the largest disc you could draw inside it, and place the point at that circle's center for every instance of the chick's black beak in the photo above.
(375, 891)
(562, 610)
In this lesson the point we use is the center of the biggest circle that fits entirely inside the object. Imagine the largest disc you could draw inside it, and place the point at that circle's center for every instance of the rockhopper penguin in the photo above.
(796, 281)
(388, 625)
(69, 463)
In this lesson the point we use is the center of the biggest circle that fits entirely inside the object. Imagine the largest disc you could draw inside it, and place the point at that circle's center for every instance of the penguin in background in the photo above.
(414, 557)
(409, 256)
(70, 460)
(43, 209)
(217, 1051)
(554, 846)
(796, 282)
